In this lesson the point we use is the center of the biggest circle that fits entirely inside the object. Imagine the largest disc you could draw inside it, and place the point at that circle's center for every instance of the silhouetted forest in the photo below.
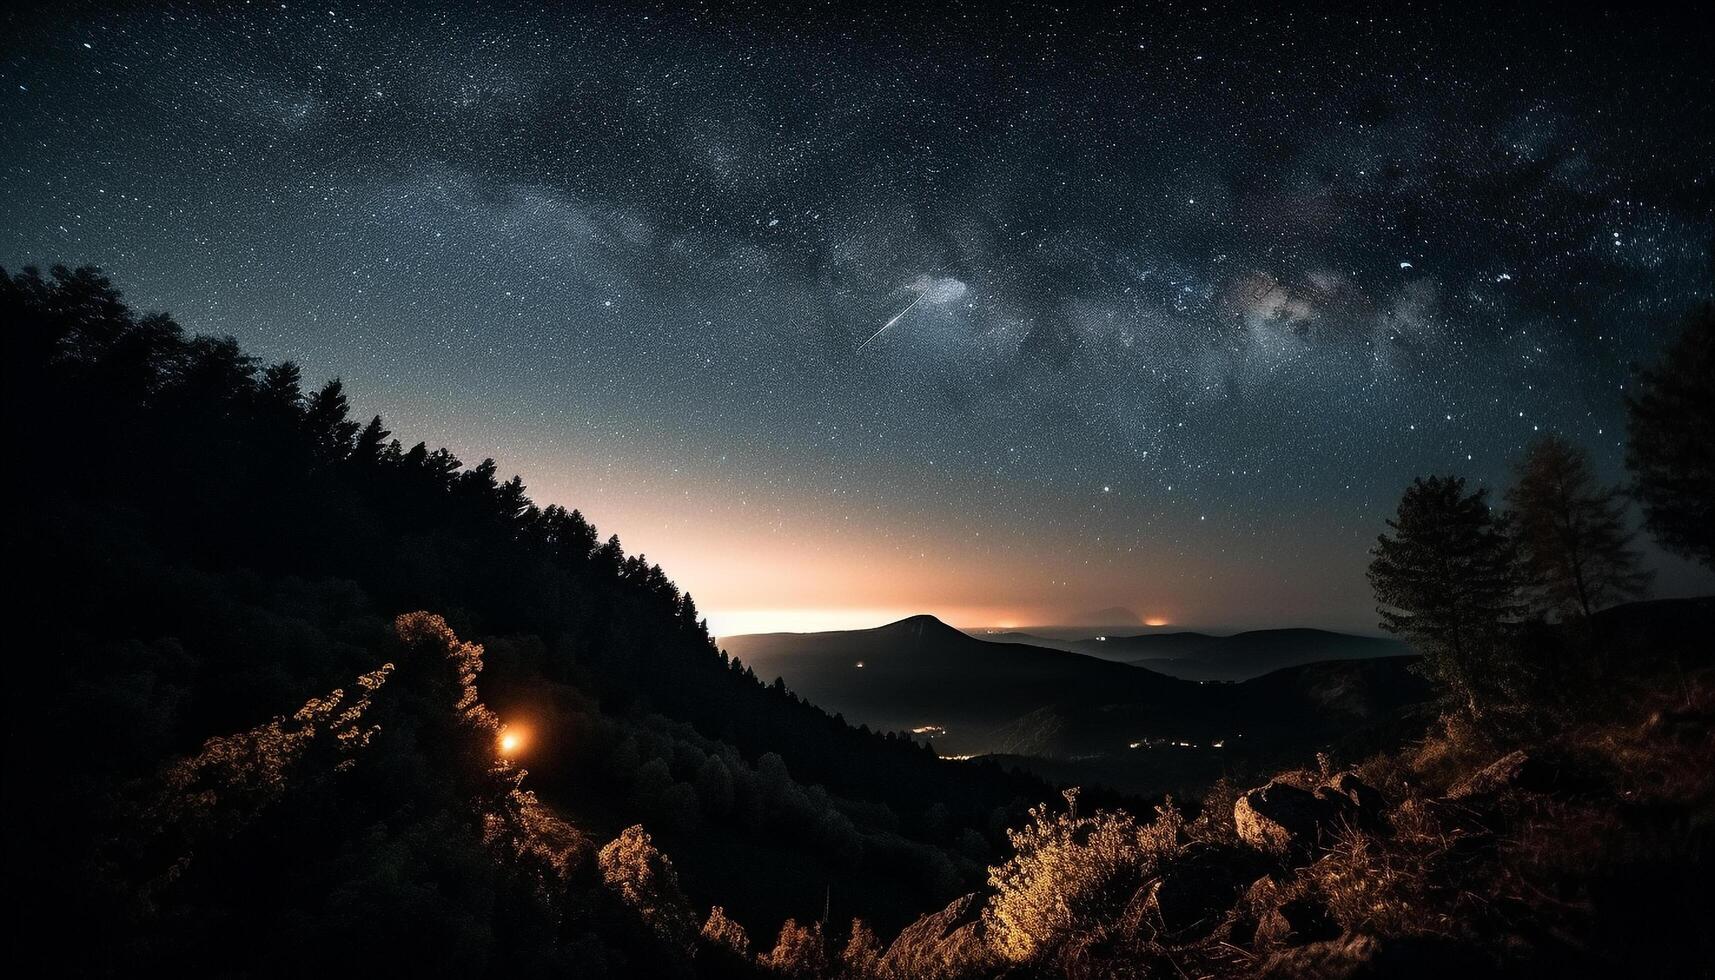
(206, 543)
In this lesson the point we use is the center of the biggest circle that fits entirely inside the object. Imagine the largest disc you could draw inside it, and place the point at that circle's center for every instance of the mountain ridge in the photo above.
(1199, 656)
(971, 695)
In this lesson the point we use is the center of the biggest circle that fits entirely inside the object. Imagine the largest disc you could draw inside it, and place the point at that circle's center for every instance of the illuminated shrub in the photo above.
(1074, 877)
(861, 958)
(644, 881)
(799, 952)
(723, 933)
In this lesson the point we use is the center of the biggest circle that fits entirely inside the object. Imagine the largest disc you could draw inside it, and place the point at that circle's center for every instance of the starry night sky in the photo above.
(1000, 312)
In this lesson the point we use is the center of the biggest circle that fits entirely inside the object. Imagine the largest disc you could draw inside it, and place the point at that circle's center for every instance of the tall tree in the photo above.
(1446, 579)
(281, 393)
(1571, 533)
(371, 443)
(1670, 447)
(327, 416)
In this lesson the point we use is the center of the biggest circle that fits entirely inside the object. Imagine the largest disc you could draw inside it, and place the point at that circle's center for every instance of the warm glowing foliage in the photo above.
(234, 777)
(514, 822)
(531, 834)
(1074, 877)
(861, 958)
(724, 933)
(425, 629)
(800, 952)
(644, 881)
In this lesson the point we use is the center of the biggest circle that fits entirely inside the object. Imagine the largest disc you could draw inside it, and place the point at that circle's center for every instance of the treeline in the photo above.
(1500, 601)
(209, 454)
(204, 543)
(236, 466)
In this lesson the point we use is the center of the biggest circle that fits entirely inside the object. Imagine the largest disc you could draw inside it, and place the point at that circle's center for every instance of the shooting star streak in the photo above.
(896, 318)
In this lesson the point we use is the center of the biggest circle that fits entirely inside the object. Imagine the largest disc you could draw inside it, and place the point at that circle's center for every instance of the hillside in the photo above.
(1169, 643)
(1580, 852)
(1252, 654)
(237, 545)
(920, 673)
(1206, 657)
(971, 696)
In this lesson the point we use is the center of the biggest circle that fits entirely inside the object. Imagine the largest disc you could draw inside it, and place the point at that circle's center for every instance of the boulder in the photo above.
(1263, 893)
(945, 945)
(1284, 818)
(1197, 891)
(1279, 818)
(1294, 922)
(1366, 799)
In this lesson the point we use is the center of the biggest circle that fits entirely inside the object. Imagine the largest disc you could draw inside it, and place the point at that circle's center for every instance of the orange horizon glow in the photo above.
(741, 622)
(763, 554)
(738, 622)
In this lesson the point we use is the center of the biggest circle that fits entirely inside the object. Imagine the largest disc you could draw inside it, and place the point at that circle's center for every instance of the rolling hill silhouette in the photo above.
(919, 672)
(1250, 654)
(973, 696)
(1206, 657)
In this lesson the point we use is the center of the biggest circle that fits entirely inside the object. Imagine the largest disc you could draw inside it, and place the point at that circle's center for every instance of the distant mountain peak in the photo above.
(918, 623)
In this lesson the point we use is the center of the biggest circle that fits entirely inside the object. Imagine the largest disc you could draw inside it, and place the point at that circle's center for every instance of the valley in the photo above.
(1063, 713)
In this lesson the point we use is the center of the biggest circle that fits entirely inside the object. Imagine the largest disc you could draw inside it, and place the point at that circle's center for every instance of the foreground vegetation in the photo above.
(1583, 850)
(1580, 852)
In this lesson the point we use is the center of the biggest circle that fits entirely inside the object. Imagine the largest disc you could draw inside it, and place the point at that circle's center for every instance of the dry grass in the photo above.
(1453, 749)
(1594, 861)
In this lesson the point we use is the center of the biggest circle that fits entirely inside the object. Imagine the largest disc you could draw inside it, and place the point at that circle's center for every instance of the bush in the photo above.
(861, 958)
(714, 787)
(1074, 877)
(643, 880)
(723, 933)
(800, 952)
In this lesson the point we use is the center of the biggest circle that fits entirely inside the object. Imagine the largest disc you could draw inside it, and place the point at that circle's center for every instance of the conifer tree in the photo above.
(1445, 578)
(370, 443)
(1670, 447)
(327, 417)
(280, 392)
(1571, 534)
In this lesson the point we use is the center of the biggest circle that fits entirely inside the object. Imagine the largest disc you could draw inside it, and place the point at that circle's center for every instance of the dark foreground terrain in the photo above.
(289, 696)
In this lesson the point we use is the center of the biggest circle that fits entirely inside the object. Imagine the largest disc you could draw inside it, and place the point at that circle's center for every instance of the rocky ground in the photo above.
(1585, 851)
